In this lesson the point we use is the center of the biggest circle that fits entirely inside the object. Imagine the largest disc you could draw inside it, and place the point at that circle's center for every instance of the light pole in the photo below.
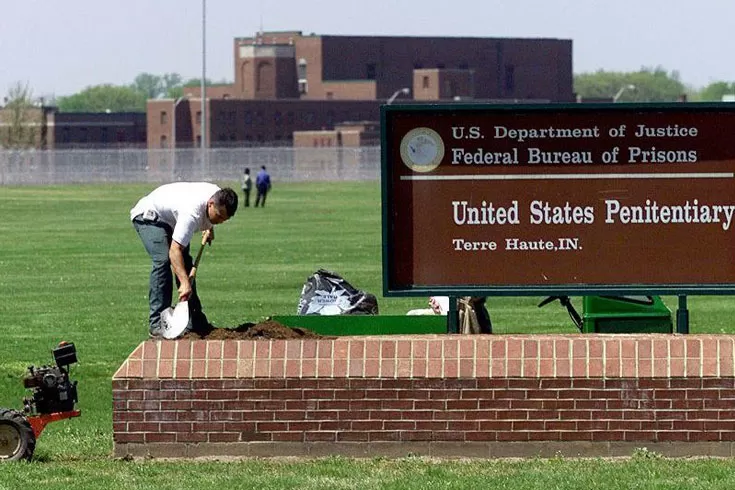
(204, 80)
(398, 92)
(623, 89)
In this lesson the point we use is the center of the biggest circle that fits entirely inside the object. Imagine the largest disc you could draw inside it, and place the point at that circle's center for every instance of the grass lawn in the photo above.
(72, 268)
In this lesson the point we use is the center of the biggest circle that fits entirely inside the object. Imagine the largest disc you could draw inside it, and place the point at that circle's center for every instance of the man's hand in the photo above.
(184, 291)
(208, 236)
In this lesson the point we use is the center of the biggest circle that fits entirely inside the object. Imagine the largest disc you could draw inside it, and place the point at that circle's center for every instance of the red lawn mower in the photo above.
(53, 398)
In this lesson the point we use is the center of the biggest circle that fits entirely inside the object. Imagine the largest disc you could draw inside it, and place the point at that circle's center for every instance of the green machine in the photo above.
(618, 314)
(601, 314)
(366, 324)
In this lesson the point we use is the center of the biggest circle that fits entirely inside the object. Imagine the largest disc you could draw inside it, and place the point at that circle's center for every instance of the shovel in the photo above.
(175, 321)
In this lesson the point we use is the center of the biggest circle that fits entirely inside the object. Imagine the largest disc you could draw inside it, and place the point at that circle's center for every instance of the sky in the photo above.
(60, 47)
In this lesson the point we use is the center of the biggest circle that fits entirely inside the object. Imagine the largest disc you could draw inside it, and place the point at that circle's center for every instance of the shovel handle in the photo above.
(193, 273)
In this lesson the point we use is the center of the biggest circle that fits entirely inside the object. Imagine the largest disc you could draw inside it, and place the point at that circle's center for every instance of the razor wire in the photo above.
(90, 166)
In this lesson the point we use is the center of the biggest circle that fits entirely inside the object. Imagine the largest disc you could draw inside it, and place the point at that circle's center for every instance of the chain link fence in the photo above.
(33, 167)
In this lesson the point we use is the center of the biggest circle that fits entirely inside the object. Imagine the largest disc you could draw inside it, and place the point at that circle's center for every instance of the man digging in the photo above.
(165, 221)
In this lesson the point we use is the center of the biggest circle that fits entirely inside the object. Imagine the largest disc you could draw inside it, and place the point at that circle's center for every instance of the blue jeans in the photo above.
(156, 238)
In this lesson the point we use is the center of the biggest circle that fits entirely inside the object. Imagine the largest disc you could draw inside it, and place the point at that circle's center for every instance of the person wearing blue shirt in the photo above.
(262, 185)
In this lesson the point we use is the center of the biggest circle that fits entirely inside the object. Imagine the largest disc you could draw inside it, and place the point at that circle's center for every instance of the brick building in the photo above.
(286, 82)
(96, 129)
(44, 127)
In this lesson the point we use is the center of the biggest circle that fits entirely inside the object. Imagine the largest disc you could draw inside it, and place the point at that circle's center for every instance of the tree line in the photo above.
(645, 85)
(127, 98)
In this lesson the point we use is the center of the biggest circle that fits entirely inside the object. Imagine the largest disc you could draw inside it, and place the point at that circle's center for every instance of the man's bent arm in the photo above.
(176, 256)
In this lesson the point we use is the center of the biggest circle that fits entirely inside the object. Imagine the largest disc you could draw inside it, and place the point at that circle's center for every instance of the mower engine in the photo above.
(53, 397)
(52, 389)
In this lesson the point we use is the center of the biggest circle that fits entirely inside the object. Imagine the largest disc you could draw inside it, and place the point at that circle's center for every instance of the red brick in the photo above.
(436, 350)
(450, 348)
(416, 435)
(229, 350)
(388, 349)
(530, 349)
(514, 367)
(214, 349)
(154, 437)
(562, 348)
(199, 349)
(575, 436)
(352, 436)
(403, 349)
(223, 437)
(498, 349)
(419, 349)
(515, 348)
(308, 349)
(605, 435)
(512, 436)
(482, 347)
(481, 436)
(497, 367)
(579, 349)
(383, 436)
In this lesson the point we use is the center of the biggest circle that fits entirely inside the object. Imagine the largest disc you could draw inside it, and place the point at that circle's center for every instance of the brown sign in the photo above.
(532, 199)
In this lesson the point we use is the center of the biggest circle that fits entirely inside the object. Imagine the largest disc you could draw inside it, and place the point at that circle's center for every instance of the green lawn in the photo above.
(72, 268)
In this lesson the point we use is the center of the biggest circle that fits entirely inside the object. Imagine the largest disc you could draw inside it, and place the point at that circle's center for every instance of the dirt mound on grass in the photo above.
(267, 329)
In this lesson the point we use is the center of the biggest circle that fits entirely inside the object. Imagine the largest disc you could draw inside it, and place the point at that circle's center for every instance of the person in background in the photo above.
(247, 185)
(165, 220)
(262, 186)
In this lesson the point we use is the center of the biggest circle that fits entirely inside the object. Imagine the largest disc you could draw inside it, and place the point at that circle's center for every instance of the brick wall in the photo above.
(452, 395)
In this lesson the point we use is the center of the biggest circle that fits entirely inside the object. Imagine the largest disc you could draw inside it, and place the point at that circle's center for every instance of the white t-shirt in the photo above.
(181, 205)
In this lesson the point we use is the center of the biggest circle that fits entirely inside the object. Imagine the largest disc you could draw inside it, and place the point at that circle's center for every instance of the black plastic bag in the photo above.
(328, 293)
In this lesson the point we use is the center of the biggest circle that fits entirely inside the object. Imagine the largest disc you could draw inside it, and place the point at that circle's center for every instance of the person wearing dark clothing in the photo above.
(247, 185)
(263, 186)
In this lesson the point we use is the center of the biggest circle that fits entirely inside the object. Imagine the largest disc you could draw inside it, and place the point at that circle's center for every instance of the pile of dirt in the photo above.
(267, 329)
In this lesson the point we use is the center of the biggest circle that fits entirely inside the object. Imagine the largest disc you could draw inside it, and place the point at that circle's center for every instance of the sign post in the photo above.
(578, 199)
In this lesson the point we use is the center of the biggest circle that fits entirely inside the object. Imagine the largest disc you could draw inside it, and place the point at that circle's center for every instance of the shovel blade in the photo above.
(175, 321)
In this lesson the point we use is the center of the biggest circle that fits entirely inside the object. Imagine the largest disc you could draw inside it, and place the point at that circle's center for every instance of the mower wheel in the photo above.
(17, 440)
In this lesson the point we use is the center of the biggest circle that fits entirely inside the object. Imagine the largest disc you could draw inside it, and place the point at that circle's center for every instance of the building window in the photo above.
(248, 117)
(417, 65)
(199, 117)
(301, 74)
(277, 118)
(164, 117)
(164, 141)
(440, 66)
(105, 137)
(464, 66)
(302, 69)
(510, 79)
(199, 140)
(121, 136)
(370, 71)
(425, 82)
